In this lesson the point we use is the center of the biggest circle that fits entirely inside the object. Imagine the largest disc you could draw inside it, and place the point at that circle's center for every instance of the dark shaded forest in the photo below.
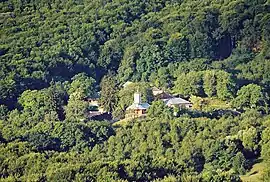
(54, 55)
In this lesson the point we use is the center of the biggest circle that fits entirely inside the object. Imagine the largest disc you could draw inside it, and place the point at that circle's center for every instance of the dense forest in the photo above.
(55, 55)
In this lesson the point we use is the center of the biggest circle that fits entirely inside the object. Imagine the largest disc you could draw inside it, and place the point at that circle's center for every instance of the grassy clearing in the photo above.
(209, 104)
(255, 174)
(214, 103)
(122, 122)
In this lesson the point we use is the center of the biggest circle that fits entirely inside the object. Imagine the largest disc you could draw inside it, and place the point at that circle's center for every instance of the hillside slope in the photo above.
(43, 41)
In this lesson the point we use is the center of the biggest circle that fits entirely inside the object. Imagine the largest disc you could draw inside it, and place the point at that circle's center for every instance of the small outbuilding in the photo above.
(178, 102)
(156, 91)
(127, 84)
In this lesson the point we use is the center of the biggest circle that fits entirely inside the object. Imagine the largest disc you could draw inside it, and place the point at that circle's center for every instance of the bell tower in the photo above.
(137, 98)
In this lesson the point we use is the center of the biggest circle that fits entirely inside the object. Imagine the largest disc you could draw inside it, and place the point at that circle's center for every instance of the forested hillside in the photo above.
(54, 55)
(43, 41)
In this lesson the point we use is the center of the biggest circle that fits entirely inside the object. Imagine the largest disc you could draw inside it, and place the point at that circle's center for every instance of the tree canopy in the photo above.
(56, 57)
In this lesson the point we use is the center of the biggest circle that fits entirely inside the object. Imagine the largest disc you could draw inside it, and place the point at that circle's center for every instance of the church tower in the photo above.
(137, 98)
(137, 109)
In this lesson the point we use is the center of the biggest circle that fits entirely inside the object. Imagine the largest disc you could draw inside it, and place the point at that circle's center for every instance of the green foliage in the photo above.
(76, 109)
(111, 54)
(127, 67)
(225, 85)
(198, 102)
(250, 96)
(239, 163)
(189, 84)
(187, 149)
(161, 79)
(209, 83)
(178, 48)
(159, 110)
(108, 93)
(3, 112)
(82, 83)
(54, 41)
(54, 54)
(44, 103)
(266, 149)
(33, 100)
(151, 58)
(250, 139)
(257, 70)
